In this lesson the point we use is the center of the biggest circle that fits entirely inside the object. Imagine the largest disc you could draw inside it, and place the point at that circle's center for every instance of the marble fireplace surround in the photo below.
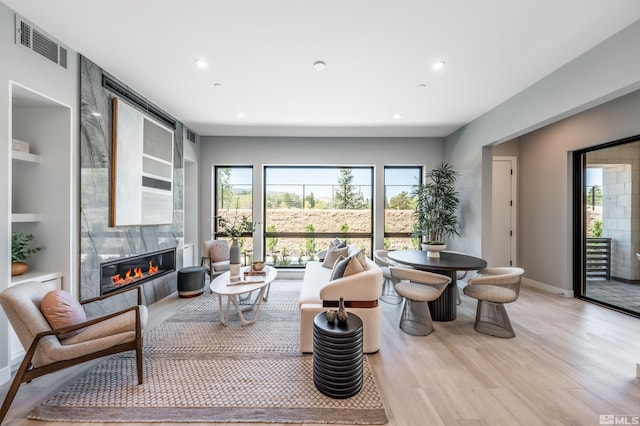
(99, 242)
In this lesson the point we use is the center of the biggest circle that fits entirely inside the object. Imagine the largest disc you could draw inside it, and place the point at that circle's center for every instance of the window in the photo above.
(234, 199)
(306, 207)
(399, 206)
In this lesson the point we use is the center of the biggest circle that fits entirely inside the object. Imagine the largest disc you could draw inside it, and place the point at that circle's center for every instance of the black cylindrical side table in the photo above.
(337, 356)
(190, 281)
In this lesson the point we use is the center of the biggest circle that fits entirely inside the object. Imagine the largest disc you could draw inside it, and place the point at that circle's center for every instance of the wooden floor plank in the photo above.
(570, 362)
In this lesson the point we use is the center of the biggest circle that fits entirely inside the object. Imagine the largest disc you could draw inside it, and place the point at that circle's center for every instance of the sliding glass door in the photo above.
(607, 224)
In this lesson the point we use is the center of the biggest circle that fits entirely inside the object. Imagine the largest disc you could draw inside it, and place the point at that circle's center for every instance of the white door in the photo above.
(503, 212)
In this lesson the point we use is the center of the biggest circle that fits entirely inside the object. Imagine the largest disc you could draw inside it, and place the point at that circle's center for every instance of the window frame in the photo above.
(320, 235)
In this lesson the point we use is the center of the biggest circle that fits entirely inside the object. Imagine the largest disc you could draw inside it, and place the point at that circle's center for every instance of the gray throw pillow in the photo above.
(347, 266)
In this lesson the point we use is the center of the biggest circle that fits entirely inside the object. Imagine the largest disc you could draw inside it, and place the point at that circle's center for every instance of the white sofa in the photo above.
(362, 289)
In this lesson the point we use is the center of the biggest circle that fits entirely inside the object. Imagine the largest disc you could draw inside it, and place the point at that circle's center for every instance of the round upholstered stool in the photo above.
(190, 281)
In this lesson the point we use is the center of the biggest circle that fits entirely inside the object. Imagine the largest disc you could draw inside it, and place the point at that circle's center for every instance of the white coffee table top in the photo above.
(223, 284)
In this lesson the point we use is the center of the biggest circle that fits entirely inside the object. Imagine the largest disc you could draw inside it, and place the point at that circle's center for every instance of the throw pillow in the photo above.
(321, 255)
(361, 258)
(333, 253)
(219, 252)
(339, 267)
(338, 243)
(345, 267)
(61, 310)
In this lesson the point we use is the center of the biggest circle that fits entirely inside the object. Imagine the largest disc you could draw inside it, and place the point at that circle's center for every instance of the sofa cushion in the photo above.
(61, 310)
(347, 266)
(333, 254)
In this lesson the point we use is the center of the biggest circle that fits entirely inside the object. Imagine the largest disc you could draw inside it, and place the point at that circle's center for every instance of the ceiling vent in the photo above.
(36, 40)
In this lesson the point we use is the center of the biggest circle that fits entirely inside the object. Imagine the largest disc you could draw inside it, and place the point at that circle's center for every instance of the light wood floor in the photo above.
(569, 363)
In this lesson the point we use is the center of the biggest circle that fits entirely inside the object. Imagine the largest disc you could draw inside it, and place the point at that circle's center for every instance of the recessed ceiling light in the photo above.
(96, 114)
(397, 116)
(240, 115)
(201, 63)
(217, 85)
(422, 85)
(319, 66)
(439, 65)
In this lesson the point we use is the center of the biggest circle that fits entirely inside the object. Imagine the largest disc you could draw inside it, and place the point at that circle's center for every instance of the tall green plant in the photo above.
(309, 243)
(437, 202)
(272, 242)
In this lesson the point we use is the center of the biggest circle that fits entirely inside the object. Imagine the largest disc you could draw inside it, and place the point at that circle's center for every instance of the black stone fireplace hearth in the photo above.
(135, 270)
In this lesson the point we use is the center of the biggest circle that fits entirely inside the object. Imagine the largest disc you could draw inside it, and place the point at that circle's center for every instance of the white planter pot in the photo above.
(433, 250)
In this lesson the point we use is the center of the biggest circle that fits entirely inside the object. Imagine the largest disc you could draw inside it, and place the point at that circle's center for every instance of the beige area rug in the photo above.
(196, 370)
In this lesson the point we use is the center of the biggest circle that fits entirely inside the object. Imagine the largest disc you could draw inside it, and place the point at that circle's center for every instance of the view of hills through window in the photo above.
(305, 208)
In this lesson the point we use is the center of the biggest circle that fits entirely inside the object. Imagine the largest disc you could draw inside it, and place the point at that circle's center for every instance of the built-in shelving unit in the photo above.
(25, 217)
(40, 189)
(25, 156)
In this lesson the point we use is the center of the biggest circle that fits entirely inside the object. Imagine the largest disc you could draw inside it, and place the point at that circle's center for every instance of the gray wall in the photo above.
(545, 192)
(23, 67)
(256, 152)
(606, 72)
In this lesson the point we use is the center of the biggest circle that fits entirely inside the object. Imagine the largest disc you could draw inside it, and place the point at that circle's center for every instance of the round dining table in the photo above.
(449, 263)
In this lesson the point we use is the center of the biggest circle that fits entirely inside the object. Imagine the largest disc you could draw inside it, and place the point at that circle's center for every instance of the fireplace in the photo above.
(135, 270)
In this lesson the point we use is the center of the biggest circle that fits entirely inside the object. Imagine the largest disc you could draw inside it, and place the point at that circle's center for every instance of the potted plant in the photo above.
(20, 252)
(235, 226)
(436, 205)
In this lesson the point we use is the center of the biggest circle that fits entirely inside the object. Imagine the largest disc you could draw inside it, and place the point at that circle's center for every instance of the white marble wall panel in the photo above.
(99, 242)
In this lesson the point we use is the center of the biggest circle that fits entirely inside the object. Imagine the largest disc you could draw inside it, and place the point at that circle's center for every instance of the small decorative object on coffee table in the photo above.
(337, 356)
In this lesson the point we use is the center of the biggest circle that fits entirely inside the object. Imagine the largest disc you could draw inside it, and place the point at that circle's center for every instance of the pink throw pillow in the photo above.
(219, 251)
(61, 310)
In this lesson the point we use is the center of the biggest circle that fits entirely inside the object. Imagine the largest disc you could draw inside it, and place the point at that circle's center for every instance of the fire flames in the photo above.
(133, 275)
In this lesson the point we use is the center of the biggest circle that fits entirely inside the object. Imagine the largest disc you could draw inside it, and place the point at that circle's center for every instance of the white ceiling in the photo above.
(377, 53)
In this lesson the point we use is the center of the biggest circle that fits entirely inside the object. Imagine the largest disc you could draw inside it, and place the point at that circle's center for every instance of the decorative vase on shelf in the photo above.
(341, 315)
(18, 268)
(234, 257)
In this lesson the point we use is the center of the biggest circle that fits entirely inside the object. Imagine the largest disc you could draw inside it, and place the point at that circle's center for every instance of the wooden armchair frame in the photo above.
(27, 372)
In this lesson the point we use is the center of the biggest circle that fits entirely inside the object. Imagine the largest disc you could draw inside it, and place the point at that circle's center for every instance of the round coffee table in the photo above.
(232, 287)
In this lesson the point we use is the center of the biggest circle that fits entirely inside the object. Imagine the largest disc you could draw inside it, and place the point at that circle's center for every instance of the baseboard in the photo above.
(290, 274)
(5, 374)
(547, 288)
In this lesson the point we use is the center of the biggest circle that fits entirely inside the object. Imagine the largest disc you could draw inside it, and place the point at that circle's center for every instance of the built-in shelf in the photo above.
(25, 156)
(25, 217)
(35, 276)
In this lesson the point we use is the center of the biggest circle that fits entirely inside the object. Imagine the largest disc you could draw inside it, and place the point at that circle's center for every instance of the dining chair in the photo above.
(493, 287)
(418, 288)
(389, 294)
